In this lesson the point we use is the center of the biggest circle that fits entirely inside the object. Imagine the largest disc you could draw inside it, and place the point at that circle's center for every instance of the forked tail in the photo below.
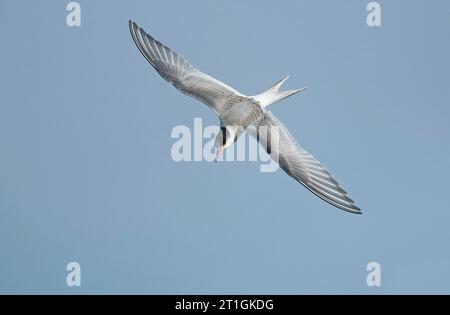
(274, 94)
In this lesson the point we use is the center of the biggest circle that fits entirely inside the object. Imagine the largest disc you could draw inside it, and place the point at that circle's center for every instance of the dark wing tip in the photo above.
(354, 209)
(130, 24)
(357, 211)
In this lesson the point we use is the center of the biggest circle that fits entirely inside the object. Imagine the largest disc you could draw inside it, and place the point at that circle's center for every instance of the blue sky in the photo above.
(86, 173)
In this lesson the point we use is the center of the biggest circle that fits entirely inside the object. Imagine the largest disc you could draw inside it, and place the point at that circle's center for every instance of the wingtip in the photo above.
(353, 209)
(357, 210)
(130, 25)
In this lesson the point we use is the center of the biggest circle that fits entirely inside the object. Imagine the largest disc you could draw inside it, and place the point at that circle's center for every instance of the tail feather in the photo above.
(274, 94)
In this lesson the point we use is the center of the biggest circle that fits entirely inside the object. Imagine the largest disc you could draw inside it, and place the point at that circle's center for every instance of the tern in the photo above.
(238, 112)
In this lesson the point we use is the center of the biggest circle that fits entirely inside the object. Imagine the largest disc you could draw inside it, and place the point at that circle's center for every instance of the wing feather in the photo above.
(178, 71)
(301, 165)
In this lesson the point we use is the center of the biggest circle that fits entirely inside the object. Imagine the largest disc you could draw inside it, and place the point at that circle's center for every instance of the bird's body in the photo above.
(238, 112)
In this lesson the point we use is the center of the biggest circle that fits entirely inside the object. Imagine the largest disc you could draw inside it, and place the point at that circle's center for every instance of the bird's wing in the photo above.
(178, 71)
(301, 165)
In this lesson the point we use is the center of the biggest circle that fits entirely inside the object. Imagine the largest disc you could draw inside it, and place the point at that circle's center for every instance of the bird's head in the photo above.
(225, 138)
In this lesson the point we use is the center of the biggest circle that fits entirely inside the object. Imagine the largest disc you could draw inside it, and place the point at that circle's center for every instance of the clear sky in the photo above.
(86, 173)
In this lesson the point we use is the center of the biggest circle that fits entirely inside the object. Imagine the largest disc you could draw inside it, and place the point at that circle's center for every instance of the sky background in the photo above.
(86, 173)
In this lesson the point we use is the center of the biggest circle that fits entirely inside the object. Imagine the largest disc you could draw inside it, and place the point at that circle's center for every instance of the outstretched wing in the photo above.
(301, 165)
(178, 71)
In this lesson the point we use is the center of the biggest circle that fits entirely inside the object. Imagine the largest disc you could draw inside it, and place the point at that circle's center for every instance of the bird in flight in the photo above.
(238, 112)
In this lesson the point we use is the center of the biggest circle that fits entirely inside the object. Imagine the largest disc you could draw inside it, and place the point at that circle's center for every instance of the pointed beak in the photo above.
(218, 153)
